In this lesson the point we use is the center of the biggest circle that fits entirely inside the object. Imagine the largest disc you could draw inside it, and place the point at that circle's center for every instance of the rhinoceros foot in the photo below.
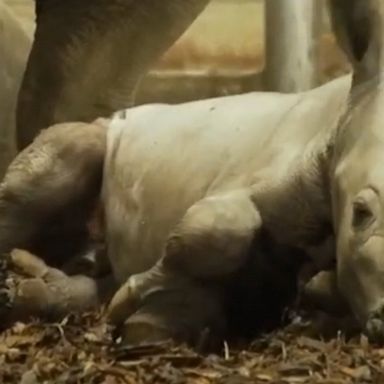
(157, 306)
(20, 296)
(32, 289)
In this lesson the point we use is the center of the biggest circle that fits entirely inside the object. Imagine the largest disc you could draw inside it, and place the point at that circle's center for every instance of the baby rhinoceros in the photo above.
(188, 190)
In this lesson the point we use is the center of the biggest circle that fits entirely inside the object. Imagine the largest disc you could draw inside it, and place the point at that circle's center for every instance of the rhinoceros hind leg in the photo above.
(49, 187)
(182, 294)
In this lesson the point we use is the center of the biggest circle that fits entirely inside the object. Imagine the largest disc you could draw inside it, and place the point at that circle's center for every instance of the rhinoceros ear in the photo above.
(357, 26)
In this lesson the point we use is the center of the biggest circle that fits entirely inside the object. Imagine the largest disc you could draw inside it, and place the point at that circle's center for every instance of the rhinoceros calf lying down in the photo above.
(188, 190)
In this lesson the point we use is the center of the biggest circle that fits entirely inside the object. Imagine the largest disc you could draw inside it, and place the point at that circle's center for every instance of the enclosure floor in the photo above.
(79, 350)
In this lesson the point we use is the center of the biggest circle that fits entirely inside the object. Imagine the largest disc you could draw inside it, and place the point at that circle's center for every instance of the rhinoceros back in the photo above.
(161, 159)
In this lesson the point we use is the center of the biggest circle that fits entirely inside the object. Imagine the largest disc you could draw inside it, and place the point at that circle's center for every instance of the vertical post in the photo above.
(292, 29)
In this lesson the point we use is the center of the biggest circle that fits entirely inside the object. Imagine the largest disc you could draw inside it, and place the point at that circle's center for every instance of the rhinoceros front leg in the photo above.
(182, 295)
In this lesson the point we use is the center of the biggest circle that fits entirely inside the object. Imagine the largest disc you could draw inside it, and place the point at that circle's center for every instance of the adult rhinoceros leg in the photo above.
(181, 295)
(88, 56)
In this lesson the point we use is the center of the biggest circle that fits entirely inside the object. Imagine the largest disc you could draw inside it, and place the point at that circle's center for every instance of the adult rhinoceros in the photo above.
(188, 191)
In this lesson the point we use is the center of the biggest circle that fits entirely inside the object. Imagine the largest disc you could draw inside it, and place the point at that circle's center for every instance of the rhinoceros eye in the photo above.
(362, 215)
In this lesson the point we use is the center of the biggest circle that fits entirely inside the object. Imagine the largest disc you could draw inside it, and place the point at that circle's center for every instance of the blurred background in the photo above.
(226, 50)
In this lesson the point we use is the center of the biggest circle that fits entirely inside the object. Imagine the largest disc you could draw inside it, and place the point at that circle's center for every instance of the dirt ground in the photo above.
(79, 350)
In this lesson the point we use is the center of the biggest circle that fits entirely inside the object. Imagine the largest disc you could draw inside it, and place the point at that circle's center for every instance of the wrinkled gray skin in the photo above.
(89, 55)
(188, 189)
(15, 45)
